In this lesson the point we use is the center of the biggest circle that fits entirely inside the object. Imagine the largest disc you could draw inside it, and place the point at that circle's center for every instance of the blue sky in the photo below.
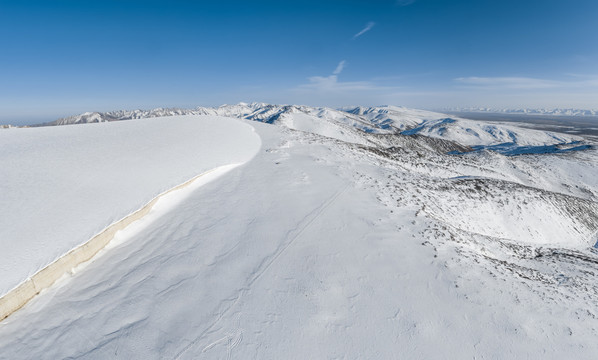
(59, 58)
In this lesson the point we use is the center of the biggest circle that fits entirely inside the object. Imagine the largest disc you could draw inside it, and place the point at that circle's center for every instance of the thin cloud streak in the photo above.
(405, 2)
(339, 68)
(367, 28)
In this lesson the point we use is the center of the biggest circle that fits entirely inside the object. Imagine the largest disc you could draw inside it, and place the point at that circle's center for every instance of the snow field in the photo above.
(311, 280)
(333, 247)
(63, 185)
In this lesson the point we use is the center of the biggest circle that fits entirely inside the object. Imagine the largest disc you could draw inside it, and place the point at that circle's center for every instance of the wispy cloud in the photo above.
(339, 68)
(331, 84)
(405, 2)
(568, 90)
(585, 79)
(527, 83)
(367, 28)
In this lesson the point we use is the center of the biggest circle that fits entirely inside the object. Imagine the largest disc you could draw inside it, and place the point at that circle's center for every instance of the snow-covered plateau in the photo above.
(314, 233)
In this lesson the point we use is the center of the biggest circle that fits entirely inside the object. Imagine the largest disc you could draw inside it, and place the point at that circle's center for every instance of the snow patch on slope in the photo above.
(509, 211)
(502, 138)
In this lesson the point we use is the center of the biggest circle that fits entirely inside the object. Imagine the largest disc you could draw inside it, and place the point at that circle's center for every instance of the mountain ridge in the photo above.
(343, 122)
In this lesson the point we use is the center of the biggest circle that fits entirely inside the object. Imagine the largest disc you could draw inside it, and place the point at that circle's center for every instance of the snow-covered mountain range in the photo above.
(503, 138)
(529, 111)
(364, 232)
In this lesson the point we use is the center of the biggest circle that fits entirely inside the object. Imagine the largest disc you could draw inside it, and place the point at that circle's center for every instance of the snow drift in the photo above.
(61, 186)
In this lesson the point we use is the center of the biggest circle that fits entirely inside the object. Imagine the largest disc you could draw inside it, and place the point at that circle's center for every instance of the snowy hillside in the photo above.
(499, 137)
(356, 233)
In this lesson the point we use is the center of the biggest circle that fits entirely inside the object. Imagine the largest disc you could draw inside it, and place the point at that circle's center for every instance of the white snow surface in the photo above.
(473, 132)
(62, 185)
(338, 239)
